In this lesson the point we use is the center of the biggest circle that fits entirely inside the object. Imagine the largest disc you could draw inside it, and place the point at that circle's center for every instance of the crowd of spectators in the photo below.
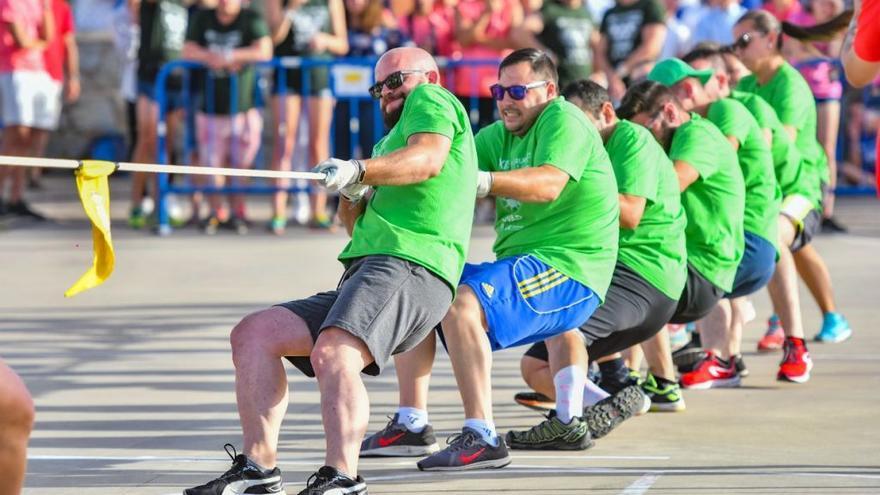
(614, 42)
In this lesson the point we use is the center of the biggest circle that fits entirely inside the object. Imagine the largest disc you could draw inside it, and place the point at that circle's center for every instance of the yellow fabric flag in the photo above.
(91, 181)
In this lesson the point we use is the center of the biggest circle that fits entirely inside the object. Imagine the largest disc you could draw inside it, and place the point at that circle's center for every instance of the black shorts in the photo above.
(697, 299)
(389, 303)
(633, 311)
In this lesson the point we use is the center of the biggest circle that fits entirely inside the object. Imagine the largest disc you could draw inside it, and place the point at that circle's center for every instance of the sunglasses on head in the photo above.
(743, 41)
(517, 91)
(393, 81)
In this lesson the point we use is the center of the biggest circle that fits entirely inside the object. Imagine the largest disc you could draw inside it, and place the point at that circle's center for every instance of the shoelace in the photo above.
(317, 480)
(237, 467)
(462, 441)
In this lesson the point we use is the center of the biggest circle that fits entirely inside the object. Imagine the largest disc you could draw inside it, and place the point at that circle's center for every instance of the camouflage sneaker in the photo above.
(552, 434)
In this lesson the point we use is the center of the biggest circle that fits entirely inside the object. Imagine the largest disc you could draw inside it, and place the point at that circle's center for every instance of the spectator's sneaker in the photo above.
(136, 219)
(664, 398)
(277, 225)
(534, 400)
(467, 450)
(239, 225)
(711, 373)
(608, 413)
(796, 362)
(321, 222)
(329, 481)
(740, 364)
(835, 329)
(242, 478)
(211, 224)
(395, 440)
(552, 434)
(832, 226)
(775, 336)
(22, 209)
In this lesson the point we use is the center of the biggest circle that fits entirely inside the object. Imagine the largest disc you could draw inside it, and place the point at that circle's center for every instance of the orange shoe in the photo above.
(796, 362)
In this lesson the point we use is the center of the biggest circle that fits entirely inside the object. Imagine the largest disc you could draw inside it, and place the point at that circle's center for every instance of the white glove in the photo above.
(354, 192)
(338, 173)
(484, 183)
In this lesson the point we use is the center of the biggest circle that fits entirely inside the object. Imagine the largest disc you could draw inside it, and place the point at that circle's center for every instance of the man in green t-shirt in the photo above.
(407, 250)
(556, 226)
(229, 129)
(698, 90)
(651, 265)
(713, 196)
(758, 36)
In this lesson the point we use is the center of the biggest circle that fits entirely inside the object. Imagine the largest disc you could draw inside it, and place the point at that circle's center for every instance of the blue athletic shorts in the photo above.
(527, 301)
(757, 266)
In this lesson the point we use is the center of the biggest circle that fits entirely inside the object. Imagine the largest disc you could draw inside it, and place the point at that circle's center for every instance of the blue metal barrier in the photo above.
(354, 128)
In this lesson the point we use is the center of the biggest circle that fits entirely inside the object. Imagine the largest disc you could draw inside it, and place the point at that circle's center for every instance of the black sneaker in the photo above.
(467, 450)
(552, 434)
(686, 358)
(608, 413)
(395, 440)
(23, 210)
(239, 225)
(534, 400)
(741, 369)
(242, 478)
(831, 226)
(330, 481)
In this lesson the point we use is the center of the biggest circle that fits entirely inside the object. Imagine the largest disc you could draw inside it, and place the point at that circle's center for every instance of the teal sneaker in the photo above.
(835, 329)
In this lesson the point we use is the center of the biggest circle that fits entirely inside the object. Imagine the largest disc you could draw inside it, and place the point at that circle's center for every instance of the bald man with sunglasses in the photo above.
(556, 246)
(402, 267)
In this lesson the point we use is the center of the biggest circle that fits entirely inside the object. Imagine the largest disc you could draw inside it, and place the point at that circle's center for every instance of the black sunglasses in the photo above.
(743, 41)
(393, 81)
(517, 91)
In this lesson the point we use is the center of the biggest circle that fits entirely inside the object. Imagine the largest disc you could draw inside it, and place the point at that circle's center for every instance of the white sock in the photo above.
(593, 394)
(486, 429)
(414, 419)
(569, 382)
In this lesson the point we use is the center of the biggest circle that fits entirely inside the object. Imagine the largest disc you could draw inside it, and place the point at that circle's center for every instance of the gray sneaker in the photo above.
(552, 434)
(395, 440)
(608, 413)
(467, 450)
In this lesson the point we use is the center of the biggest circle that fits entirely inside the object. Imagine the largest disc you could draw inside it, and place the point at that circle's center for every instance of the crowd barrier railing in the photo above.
(349, 81)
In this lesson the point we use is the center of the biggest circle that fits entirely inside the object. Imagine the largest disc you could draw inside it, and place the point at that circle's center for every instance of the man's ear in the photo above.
(608, 111)
(434, 77)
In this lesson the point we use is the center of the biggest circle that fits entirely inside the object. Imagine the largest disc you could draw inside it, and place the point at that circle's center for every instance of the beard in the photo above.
(391, 118)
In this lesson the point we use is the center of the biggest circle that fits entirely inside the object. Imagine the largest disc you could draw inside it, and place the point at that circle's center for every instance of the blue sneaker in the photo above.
(835, 329)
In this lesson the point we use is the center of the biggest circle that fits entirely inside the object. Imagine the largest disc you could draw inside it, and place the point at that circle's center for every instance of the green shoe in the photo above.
(552, 434)
(136, 219)
(664, 398)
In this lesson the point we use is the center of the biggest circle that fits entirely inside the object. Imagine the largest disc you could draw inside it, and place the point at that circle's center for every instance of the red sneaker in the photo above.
(796, 363)
(775, 336)
(711, 373)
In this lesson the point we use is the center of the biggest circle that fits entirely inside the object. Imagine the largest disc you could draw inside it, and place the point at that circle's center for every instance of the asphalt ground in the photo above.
(133, 381)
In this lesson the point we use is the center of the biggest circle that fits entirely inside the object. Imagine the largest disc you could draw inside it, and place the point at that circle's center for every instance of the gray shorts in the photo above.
(812, 222)
(389, 303)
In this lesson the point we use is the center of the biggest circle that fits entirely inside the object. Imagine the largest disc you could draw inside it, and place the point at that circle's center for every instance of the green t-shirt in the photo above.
(763, 196)
(786, 158)
(655, 249)
(788, 93)
(714, 203)
(567, 33)
(428, 223)
(206, 31)
(576, 233)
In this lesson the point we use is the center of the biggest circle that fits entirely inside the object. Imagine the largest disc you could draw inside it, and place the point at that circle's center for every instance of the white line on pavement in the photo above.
(641, 485)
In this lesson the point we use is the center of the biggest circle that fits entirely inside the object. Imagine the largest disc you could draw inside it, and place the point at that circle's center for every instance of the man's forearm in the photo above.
(530, 185)
(411, 164)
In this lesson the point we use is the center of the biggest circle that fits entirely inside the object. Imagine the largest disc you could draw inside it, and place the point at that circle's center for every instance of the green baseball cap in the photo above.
(670, 71)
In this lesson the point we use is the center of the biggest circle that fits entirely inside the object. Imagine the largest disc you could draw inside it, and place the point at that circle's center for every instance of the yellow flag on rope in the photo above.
(91, 181)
